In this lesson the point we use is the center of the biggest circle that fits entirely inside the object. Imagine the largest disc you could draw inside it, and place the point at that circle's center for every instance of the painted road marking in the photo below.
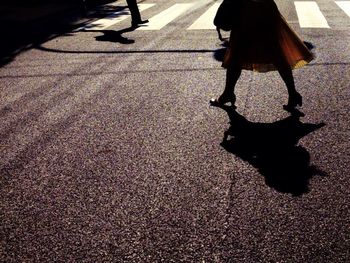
(205, 21)
(114, 18)
(160, 20)
(310, 15)
(345, 6)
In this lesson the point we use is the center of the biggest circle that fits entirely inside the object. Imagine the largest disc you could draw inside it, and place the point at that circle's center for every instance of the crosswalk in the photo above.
(206, 20)
(308, 13)
(165, 17)
(114, 18)
(345, 5)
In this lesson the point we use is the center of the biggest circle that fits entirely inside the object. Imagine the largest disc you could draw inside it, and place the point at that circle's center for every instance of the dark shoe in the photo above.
(137, 23)
(294, 100)
(222, 100)
(143, 22)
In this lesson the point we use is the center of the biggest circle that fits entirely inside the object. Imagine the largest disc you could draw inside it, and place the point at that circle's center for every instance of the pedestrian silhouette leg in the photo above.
(135, 14)
(232, 75)
(294, 98)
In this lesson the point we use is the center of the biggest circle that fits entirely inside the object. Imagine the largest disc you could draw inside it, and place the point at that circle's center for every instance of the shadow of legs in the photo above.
(273, 149)
(114, 36)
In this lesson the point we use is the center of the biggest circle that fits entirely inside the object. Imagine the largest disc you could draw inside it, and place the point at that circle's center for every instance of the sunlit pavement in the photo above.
(110, 151)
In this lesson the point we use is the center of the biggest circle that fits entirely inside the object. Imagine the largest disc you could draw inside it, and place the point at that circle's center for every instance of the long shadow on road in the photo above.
(24, 25)
(273, 149)
(113, 36)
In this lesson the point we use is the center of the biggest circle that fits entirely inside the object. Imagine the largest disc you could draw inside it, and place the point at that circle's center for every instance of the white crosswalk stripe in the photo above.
(165, 17)
(310, 15)
(114, 18)
(205, 21)
(345, 5)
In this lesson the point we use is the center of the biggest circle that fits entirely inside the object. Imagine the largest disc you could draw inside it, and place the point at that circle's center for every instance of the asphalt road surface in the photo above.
(110, 151)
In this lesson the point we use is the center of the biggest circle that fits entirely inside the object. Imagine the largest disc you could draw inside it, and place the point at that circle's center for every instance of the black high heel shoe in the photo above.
(293, 101)
(222, 100)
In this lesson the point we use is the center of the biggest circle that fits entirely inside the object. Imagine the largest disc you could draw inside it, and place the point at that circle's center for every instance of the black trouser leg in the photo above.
(134, 10)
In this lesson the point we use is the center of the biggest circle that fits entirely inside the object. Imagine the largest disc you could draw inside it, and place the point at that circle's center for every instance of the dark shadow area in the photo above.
(219, 54)
(273, 149)
(27, 23)
(114, 36)
(39, 47)
(154, 51)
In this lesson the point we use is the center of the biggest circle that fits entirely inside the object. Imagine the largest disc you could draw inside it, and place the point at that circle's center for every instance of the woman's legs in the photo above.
(232, 75)
(294, 98)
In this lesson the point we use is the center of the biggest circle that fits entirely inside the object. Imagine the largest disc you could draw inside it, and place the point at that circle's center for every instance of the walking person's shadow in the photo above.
(114, 36)
(272, 149)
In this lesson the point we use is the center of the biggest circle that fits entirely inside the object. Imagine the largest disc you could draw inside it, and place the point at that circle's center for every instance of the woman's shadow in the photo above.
(272, 149)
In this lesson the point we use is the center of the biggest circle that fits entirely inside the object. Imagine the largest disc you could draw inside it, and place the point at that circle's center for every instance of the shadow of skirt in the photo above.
(262, 38)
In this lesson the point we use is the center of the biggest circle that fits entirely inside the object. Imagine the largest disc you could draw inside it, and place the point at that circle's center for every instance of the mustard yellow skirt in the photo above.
(261, 38)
